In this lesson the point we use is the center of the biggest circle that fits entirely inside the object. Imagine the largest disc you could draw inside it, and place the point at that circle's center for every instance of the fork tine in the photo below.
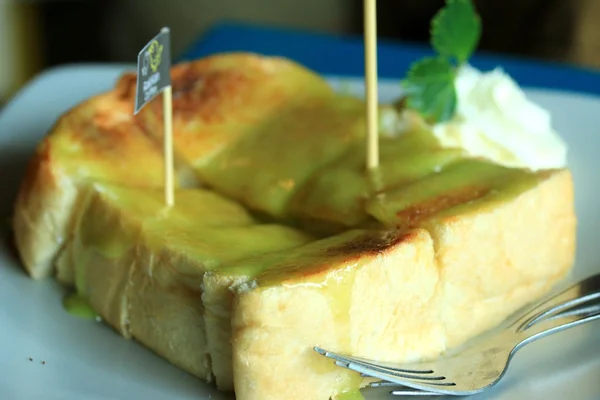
(586, 311)
(369, 372)
(382, 365)
(568, 308)
(379, 384)
(347, 362)
(406, 391)
(332, 354)
(350, 364)
(399, 390)
(395, 380)
(426, 386)
(581, 292)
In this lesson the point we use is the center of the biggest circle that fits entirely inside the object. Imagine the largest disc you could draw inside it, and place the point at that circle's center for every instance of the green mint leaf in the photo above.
(456, 30)
(429, 89)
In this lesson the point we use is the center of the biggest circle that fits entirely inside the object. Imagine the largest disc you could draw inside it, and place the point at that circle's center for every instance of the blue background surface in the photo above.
(344, 55)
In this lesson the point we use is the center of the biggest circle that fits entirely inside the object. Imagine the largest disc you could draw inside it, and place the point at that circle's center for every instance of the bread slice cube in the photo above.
(95, 141)
(321, 276)
(458, 270)
(223, 98)
(140, 264)
(371, 293)
(216, 102)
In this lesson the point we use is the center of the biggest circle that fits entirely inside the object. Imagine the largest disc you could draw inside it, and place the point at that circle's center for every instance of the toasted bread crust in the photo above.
(84, 144)
(41, 216)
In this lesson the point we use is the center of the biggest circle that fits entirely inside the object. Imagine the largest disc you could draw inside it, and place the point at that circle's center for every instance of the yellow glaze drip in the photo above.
(78, 306)
(351, 395)
(338, 289)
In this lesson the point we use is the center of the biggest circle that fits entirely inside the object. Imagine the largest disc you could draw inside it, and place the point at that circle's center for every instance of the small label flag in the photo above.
(153, 69)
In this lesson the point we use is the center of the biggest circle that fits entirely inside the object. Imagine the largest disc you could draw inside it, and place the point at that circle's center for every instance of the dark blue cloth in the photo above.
(344, 55)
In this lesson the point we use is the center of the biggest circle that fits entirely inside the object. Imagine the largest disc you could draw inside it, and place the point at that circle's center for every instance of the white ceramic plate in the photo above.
(87, 360)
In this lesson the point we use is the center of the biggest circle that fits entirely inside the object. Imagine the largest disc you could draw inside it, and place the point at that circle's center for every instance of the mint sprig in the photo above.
(456, 30)
(430, 88)
(430, 82)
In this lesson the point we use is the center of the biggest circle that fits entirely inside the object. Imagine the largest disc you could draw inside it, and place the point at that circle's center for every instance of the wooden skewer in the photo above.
(370, 34)
(168, 145)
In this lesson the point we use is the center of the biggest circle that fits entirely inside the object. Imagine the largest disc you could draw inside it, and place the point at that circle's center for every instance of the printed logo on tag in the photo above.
(153, 69)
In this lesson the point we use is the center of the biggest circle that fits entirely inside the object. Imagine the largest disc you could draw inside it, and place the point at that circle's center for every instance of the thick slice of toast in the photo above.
(467, 242)
(458, 270)
(140, 264)
(97, 140)
(369, 292)
(222, 98)
(216, 100)
(104, 205)
(328, 267)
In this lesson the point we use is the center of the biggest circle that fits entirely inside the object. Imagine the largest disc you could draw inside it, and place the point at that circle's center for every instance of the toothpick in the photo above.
(168, 145)
(153, 78)
(370, 37)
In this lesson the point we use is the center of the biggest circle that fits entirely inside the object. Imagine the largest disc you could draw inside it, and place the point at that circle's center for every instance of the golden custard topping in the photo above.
(336, 196)
(264, 170)
(221, 99)
(198, 207)
(310, 264)
(459, 188)
(202, 225)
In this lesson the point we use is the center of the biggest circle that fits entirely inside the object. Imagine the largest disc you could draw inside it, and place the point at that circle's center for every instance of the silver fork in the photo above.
(481, 363)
